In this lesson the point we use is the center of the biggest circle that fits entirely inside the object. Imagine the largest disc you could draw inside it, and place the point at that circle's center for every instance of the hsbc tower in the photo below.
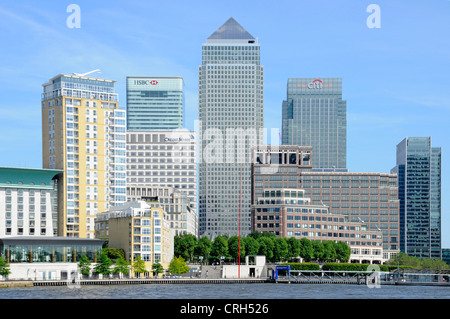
(314, 114)
(154, 103)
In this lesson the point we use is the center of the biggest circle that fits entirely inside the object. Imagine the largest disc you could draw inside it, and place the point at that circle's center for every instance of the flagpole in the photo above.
(239, 248)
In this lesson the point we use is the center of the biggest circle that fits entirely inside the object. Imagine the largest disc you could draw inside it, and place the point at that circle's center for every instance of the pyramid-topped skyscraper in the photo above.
(231, 30)
(231, 116)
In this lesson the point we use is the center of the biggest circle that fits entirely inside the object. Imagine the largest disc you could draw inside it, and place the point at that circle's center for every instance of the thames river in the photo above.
(227, 291)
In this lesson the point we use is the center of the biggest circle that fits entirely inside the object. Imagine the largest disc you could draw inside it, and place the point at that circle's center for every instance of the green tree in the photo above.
(318, 249)
(268, 234)
(4, 267)
(121, 266)
(343, 251)
(185, 246)
(220, 247)
(233, 247)
(157, 269)
(251, 246)
(178, 266)
(255, 235)
(281, 249)
(113, 253)
(294, 247)
(204, 247)
(103, 264)
(403, 259)
(139, 266)
(306, 249)
(85, 265)
(266, 246)
(433, 263)
(329, 252)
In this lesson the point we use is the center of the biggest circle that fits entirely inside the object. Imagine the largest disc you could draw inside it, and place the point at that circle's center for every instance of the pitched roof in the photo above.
(231, 30)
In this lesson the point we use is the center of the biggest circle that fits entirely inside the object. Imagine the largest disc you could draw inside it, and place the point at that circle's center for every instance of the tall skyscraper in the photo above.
(314, 114)
(231, 107)
(154, 103)
(419, 175)
(83, 134)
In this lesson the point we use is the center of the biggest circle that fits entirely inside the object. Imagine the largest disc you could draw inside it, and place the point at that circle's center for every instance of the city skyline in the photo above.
(394, 86)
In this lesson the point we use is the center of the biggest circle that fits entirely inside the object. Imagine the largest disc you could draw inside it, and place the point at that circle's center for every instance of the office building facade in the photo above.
(286, 212)
(314, 114)
(231, 120)
(163, 159)
(419, 173)
(29, 201)
(371, 198)
(83, 134)
(155, 103)
(182, 217)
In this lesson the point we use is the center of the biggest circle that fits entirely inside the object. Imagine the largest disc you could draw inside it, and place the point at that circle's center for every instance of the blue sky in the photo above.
(396, 78)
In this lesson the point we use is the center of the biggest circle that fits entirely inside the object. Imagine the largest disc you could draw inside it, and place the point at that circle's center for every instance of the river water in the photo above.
(227, 291)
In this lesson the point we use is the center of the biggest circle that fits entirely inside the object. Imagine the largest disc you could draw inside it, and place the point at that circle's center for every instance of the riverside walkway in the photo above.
(148, 281)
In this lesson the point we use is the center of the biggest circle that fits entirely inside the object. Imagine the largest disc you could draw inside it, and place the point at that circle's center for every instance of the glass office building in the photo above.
(154, 103)
(231, 83)
(419, 175)
(314, 114)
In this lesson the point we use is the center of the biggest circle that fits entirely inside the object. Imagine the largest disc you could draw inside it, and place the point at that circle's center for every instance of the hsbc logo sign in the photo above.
(145, 82)
(316, 84)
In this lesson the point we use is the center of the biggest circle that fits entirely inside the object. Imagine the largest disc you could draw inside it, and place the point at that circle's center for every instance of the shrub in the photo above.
(350, 267)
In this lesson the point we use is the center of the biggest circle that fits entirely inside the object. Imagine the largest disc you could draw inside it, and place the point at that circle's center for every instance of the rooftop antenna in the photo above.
(84, 74)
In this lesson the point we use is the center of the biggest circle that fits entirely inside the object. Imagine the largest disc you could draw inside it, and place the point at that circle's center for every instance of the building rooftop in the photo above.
(13, 240)
(231, 30)
(27, 177)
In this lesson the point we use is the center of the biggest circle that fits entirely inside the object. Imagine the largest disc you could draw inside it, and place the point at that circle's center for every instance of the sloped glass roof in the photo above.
(231, 30)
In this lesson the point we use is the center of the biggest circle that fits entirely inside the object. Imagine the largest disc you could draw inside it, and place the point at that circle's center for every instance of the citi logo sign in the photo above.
(145, 82)
(316, 84)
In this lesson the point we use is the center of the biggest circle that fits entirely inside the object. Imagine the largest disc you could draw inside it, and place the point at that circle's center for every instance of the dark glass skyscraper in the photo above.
(314, 114)
(419, 178)
(154, 103)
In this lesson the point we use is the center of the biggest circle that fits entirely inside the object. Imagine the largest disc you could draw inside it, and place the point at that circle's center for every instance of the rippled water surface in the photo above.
(227, 291)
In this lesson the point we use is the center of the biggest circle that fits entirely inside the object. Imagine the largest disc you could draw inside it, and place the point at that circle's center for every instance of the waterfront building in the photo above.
(446, 255)
(83, 134)
(286, 212)
(154, 103)
(47, 257)
(314, 114)
(29, 201)
(369, 197)
(231, 121)
(138, 229)
(163, 159)
(181, 215)
(419, 174)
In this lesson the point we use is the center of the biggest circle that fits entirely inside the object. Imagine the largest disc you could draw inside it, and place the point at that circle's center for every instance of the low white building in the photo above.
(254, 267)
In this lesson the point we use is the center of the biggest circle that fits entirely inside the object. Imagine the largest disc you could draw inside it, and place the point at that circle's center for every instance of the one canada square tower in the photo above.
(231, 120)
